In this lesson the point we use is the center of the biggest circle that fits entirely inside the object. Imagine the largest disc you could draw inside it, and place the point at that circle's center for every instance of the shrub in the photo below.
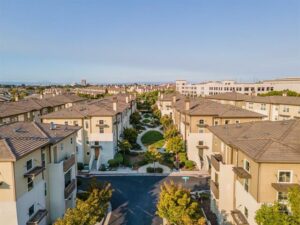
(130, 134)
(154, 170)
(189, 164)
(182, 157)
(118, 158)
(113, 163)
(147, 115)
(146, 121)
(80, 166)
(102, 167)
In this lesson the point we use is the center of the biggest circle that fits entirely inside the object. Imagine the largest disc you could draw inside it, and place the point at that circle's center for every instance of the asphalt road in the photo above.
(134, 197)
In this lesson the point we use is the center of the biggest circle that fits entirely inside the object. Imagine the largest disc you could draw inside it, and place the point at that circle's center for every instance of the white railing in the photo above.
(92, 158)
(98, 162)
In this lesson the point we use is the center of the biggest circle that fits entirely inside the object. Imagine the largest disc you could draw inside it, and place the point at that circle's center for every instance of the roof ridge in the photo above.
(12, 152)
(264, 149)
(287, 130)
(41, 130)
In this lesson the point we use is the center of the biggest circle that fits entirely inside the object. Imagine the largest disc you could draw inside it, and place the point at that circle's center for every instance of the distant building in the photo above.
(219, 87)
(83, 82)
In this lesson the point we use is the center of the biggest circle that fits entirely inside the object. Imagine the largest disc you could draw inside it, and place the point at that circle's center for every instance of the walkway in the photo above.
(143, 169)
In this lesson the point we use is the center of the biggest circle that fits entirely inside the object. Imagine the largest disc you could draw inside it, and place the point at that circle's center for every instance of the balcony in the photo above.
(214, 187)
(241, 172)
(34, 172)
(102, 125)
(37, 217)
(284, 187)
(68, 163)
(70, 188)
(202, 146)
(215, 161)
(239, 218)
(202, 125)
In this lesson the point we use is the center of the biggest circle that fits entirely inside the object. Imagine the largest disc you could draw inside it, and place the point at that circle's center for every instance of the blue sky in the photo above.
(148, 40)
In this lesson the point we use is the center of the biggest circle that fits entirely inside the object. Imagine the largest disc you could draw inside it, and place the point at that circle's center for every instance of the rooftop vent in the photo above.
(52, 126)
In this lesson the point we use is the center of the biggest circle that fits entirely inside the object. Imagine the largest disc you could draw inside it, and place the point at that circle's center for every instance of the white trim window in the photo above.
(282, 197)
(247, 165)
(246, 185)
(29, 164)
(285, 176)
(263, 106)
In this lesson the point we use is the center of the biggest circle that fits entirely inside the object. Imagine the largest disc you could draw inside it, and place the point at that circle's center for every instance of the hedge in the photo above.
(154, 170)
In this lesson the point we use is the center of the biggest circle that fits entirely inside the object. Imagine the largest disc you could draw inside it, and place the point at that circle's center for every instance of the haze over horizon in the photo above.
(148, 41)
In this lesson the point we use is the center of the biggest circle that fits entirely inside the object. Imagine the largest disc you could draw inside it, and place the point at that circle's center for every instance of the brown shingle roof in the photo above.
(20, 138)
(264, 141)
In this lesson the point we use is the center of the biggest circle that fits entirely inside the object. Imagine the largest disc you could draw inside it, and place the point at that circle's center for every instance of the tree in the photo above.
(157, 113)
(177, 207)
(175, 145)
(171, 132)
(135, 118)
(130, 134)
(91, 210)
(166, 121)
(276, 214)
(152, 155)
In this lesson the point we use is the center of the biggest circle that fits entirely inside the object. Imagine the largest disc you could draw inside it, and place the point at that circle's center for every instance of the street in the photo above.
(134, 197)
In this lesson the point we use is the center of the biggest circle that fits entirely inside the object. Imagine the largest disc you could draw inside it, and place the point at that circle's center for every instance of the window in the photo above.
(246, 165)
(87, 141)
(29, 184)
(66, 123)
(284, 176)
(75, 123)
(201, 131)
(101, 130)
(286, 109)
(227, 121)
(263, 106)
(101, 122)
(201, 143)
(45, 189)
(282, 197)
(246, 185)
(246, 212)
(237, 121)
(31, 210)
(29, 165)
(96, 142)
(216, 123)
(61, 146)
(86, 124)
(71, 140)
(201, 122)
(43, 159)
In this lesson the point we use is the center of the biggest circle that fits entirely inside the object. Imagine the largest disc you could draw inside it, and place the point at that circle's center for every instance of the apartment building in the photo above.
(32, 109)
(218, 87)
(253, 163)
(37, 172)
(102, 122)
(193, 116)
(273, 107)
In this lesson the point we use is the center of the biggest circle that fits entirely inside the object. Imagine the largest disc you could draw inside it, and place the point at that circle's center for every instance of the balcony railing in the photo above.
(37, 217)
(68, 163)
(202, 125)
(214, 188)
(70, 188)
(215, 161)
(284, 187)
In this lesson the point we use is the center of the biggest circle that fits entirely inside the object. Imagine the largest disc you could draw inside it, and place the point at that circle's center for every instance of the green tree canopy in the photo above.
(175, 145)
(177, 207)
(152, 155)
(130, 134)
(166, 121)
(276, 214)
(171, 132)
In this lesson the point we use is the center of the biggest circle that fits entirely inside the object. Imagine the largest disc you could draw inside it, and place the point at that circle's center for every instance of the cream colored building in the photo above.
(37, 172)
(193, 116)
(102, 122)
(273, 107)
(253, 163)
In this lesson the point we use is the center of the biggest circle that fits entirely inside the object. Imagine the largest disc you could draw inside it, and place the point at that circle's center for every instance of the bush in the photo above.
(182, 157)
(102, 167)
(146, 121)
(136, 146)
(189, 164)
(142, 162)
(154, 170)
(119, 158)
(113, 163)
(80, 166)
(147, 115)
(130, 134)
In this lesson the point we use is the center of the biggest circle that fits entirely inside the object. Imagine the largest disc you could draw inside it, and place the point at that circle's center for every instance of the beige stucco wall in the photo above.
(7, 190)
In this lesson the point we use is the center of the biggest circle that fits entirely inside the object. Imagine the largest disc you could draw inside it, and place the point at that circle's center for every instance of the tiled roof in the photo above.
(205, 107)
(264, 141)
(28, 105)
(99, 107)
(233, 96)
(21, 138)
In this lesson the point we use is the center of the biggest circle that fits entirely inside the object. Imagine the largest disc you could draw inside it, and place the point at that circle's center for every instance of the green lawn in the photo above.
(158, 144)
(151, 137)
(146, 121)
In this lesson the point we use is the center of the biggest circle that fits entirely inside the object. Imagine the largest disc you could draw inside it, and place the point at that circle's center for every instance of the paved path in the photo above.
(143, 169)
(134, 197)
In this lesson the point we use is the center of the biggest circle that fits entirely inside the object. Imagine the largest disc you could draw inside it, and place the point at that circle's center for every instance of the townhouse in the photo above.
(102, 121)
(37, 172)
(273, 107)
(32, 109)
(193, 116)
(253, 163)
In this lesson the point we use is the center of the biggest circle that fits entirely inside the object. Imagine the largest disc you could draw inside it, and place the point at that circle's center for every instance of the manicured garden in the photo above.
(151, 137)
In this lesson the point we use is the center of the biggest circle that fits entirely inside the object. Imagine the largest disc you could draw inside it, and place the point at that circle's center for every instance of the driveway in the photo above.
(134, 197)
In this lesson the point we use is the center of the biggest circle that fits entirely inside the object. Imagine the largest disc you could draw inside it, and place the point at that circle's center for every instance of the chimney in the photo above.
(174, 99)
(115, 101)
(284, 94)
(16, 98)
(162, 96)
(127, 99)
(41, 96)
(130, 97)
(187, 104)
(158, 94)
(52, 126)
